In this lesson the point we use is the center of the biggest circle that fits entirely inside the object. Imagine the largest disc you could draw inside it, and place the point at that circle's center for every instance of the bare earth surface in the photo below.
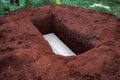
(93, 36)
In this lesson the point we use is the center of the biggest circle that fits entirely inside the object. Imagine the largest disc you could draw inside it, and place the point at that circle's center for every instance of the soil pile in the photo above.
(93, 36)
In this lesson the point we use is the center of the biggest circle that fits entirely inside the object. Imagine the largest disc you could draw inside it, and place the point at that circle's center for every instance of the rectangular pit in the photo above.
(69, 37)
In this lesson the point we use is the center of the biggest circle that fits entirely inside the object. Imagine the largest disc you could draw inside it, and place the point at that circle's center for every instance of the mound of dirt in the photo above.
(26, 55)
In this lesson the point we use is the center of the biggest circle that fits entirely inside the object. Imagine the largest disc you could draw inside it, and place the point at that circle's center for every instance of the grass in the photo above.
(113, 4)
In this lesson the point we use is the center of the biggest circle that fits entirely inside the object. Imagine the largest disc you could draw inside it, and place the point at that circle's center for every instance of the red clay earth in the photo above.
(93, 36)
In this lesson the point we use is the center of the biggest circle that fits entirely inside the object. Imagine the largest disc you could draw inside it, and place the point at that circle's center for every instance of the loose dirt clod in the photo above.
(26, 55)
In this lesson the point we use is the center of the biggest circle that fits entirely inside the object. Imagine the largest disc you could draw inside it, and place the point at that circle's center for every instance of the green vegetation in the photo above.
(3, 7)
(39, 2)
(111, 6)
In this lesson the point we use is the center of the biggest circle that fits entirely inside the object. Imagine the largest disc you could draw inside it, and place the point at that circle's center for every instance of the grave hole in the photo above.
(50, 26)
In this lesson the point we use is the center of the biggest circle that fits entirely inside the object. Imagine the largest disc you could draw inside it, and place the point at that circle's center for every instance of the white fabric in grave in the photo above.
(57, 45)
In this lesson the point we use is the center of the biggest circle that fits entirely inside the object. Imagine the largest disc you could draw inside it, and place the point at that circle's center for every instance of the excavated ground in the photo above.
(26, 55)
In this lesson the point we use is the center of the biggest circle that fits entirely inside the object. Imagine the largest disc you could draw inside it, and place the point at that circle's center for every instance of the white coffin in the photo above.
(58, 46)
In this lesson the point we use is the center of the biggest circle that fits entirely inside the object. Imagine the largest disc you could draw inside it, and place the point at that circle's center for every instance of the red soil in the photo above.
(93, 36)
